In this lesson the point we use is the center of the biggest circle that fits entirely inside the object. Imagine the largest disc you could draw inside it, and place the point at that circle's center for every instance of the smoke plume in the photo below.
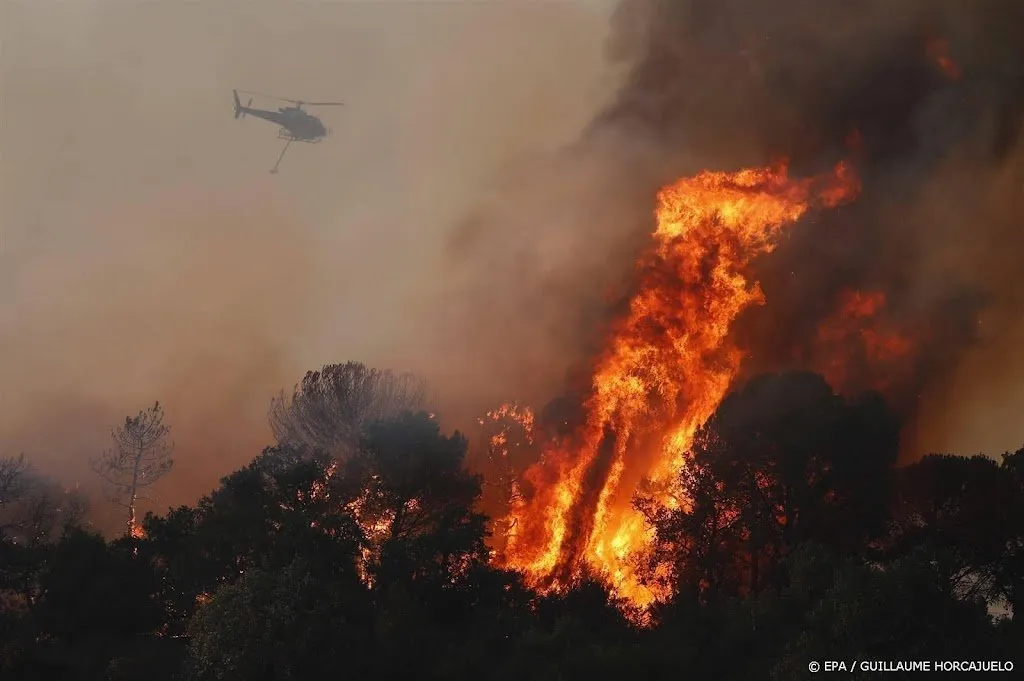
(912, 108)
(477, 214)
(925, 98)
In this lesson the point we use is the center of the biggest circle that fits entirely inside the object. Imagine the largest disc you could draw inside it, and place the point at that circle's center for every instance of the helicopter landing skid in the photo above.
(304, 140)
(286, 145)
(289, 139)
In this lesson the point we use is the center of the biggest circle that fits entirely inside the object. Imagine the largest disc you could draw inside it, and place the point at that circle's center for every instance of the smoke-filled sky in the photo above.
(480, 202)
(148, 255)
(926, 97)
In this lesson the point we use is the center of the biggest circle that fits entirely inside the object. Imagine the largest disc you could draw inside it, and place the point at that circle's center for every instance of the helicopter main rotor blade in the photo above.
(296, 102)
(263, 94)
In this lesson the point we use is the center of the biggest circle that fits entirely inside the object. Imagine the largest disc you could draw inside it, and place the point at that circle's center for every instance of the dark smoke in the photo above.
(925, 99)
(725, 84)
(741, 81)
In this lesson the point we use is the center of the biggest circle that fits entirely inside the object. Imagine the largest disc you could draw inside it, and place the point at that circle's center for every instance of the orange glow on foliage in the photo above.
(136, 531)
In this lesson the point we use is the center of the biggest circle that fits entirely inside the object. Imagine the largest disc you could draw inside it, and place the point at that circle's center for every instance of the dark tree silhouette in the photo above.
(373, 564)
(292, 623)
(903, 612)
(140, 457)
(328, 562)
(90, 601)
(32, 506)
(782, 461)
(967, 512)
(1010, 572)
(15, 485)
(49, 511)
(278, 507)
(414, 500)
(329, 409)
(117, 598)
(424, 553)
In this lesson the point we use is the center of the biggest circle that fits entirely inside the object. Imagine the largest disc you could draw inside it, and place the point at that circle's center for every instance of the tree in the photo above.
(15, 485)
(140, 457)
(33, 506)
(49, 508)
(329, 409)
(782, 461)
(905, 611)
(293, 623)
(424, 556)
(92, 588)
(700, 540)
(1010, 573)
(278, 545)
(92, 601)
(967, 512)
(279, 507)
(414, 499)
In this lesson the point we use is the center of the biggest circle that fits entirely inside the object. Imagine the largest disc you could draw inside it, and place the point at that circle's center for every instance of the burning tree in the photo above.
(667, 365)
(782, 462)
(140, 457)
(330, 407)
(414, 500)
(507, 443)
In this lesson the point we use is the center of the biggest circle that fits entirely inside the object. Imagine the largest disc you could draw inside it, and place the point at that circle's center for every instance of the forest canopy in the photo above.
(801, 541)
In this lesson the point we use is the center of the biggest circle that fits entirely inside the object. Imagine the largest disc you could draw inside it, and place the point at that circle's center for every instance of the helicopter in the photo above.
(296, 124)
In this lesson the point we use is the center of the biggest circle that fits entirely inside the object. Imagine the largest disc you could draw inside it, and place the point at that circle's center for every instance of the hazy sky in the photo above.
(147, 254)
(145, 251)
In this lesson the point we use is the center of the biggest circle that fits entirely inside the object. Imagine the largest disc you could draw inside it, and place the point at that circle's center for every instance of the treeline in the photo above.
(355, 548)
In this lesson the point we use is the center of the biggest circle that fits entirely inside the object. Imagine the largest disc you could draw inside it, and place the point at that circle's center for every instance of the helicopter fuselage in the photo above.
(295, 122)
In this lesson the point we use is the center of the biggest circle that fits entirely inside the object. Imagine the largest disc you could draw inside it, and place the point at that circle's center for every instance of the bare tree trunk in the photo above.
(131, 516)
(133, 495)
(140, 457)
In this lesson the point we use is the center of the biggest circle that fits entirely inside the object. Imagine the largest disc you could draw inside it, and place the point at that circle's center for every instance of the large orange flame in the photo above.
(667, 365)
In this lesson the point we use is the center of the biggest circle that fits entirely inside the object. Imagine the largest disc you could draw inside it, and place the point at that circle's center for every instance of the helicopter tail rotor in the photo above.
(239, 109)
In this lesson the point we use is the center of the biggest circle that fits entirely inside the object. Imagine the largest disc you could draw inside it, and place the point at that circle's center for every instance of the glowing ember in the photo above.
(505, 418)
(938, 52)
(667, 365)
(136, 530)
